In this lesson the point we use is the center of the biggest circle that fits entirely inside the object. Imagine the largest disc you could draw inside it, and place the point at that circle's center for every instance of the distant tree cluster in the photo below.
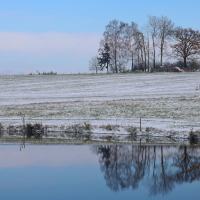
(157, 46)
(45, 73)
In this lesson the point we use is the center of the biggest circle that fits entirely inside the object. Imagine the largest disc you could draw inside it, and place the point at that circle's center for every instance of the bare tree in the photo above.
(187, 43)
(153, 29)
(165, 27)
(146, 33)
(140, 48)
(148, 52)
(113, 37)
(94, 64)
(144, 51)
(130, 41)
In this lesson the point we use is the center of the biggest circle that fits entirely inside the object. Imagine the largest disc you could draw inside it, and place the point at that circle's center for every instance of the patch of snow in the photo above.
(166, 101)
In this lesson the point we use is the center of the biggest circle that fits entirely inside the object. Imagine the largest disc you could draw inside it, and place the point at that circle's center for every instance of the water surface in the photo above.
(99, 172)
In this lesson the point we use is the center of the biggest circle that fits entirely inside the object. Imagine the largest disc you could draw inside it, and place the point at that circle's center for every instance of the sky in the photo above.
(63, 35)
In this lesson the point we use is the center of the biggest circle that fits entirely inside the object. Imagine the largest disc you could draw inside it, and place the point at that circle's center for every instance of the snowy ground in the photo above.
(166, 101)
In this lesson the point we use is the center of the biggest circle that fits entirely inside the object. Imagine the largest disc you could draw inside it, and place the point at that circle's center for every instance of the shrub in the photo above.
(29, 130)
(11, 130)
(132, 130)
(148, 129)
(88, 137)
(1, 127)
(193, 137)
(88, 126)
(62, 135)
(35, 130)
(76, 128)
(108, 127)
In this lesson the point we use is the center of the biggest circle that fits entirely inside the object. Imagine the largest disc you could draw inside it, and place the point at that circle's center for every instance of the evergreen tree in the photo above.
(104, 59)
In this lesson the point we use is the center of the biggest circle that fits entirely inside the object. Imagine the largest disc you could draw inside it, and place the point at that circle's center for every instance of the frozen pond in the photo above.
(99, 172)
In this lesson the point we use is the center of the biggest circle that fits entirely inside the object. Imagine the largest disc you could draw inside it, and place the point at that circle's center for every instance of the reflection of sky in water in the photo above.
(71, 172)
(46, 156)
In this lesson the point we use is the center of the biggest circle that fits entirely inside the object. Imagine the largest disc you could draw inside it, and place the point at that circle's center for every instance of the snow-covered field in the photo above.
(167, 101)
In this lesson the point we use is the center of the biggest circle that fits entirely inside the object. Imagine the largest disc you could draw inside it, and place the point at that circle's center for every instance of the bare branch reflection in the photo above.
(160, 168)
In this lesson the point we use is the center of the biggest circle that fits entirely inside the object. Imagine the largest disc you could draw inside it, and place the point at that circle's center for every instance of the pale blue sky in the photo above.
(62, 35)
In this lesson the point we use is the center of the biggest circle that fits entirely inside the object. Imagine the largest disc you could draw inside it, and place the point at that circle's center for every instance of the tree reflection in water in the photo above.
(188, 164)
(159, 167)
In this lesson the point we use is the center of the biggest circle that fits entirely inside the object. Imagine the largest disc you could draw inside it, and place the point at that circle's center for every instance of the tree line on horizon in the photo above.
(157, 46)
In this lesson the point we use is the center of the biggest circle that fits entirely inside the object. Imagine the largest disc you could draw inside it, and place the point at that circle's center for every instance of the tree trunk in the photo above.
(145, 59)
(154, 56)
(161, 54)
(185, 65)
(132, 63)
(107, 67)
(142, 59)
(138, 57)
(148, 54)
(116, 61)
